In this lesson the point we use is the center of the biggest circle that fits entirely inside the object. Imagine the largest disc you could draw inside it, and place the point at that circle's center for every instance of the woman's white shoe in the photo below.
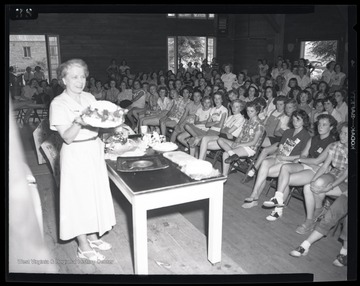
(90, 255)
(99, 244)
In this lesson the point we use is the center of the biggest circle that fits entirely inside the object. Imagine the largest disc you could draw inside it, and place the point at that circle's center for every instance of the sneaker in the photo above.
(274, 216)
(249, 203)
(305, 228)
(273, 202)
(232, 158)
(251, 173)
(299, 251)
(341, 260)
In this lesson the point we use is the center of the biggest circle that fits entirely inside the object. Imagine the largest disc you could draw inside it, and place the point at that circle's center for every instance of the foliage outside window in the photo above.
(318, 54)
(184, 49)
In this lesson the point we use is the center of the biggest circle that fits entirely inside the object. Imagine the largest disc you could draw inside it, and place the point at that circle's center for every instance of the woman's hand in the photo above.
(281, 158)
(315, 188)
(235, 145)
(79, 121)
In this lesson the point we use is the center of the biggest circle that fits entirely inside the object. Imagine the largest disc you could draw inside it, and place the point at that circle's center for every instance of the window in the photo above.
(186, 49)
(318, 54)
(191, 16)
(27, 52)
(35, 50)
(53, 55)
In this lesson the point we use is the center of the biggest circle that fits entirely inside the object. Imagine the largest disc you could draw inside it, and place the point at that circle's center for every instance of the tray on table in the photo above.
(139, 164)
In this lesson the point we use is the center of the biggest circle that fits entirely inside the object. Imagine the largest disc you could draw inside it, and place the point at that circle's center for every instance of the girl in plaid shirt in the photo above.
(337, 160)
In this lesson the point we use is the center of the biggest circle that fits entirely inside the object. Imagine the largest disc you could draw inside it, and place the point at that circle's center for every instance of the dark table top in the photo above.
(168, 178)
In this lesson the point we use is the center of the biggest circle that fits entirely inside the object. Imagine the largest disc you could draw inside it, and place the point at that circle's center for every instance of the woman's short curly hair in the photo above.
(64, 67)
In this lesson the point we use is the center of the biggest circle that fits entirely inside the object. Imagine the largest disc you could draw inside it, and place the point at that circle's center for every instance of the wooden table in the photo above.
(167, 187)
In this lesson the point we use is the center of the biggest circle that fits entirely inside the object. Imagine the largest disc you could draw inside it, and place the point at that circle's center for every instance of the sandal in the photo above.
(102, 245)
(96, 256)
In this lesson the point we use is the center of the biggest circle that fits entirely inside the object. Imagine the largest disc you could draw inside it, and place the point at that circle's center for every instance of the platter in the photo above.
(140, 164)
(104, 114)
(164, 147)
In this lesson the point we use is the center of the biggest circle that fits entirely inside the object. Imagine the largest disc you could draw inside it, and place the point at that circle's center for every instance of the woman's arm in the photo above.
(278, 131)
(139, 95)
(305, 151)
(342, 80)
(250, 143)
(338, 181)
(316, 161)
(185, 114)
(323, 168)
(69, 132)
(219, 123)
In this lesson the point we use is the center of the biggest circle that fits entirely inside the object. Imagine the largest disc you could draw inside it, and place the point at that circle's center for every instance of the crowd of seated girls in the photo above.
(279, 112)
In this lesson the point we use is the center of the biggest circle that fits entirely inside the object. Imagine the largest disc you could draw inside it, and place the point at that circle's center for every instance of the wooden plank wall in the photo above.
(141, 39)
(326, 23)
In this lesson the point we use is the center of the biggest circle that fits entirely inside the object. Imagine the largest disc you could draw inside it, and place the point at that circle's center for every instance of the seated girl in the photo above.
(270, 95)
(303, 99)
(293, 93)
(248, 140)
(252, 93)
(215, 122)
(318, 109)
(164, 104)
(176, 112)
(325, 182)
(138, 103)
(201, 117)
(189, 114)
(231, 130)
(152, 104)
(290, 147)
(341, 105)
(329, 105)
(337, 211)
(282, 126)
(232, 95)
(302, 170)
(272, 120)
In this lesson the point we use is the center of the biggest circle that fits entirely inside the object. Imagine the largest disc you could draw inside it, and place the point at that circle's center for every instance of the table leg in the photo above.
(140, 239)
(215, 226)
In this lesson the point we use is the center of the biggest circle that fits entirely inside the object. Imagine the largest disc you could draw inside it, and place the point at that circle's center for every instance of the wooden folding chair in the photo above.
(40, 134)
(51, 148)
(244, 164)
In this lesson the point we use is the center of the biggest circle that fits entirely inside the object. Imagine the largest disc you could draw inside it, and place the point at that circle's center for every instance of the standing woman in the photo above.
(86, 205)
(337, 79)
(328, 72)
(228, 77)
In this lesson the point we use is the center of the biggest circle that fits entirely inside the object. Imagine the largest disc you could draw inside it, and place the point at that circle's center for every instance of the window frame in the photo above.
(27, 52)
(176, 63)
(176, 16)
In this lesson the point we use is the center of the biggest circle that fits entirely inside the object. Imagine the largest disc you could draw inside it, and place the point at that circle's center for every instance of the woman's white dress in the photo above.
(86, 204)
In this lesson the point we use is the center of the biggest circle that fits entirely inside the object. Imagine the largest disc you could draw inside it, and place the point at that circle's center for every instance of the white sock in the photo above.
(279, 210)
(280, 197)
(231, 152)
(305, 244)
(251, 173)
(343, 251)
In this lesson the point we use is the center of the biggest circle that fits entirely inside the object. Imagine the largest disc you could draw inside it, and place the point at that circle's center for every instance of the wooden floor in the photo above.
(177, 235)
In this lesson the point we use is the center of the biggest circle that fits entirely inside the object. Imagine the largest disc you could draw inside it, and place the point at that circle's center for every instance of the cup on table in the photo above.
(143, 129)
